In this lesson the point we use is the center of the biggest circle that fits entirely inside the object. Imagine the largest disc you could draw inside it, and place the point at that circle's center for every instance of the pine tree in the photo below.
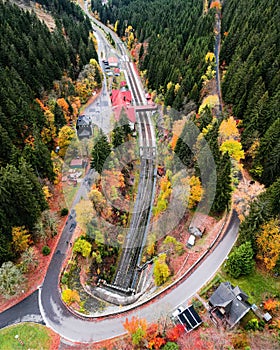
(223, 186)
(100, 153)
(240, 261)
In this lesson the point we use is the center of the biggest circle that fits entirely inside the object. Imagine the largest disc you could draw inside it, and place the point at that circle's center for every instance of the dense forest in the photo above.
(31, 58)
(177, 35)
(251, 56)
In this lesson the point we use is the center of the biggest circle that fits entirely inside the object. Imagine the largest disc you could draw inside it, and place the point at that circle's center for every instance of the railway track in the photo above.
(127, 273)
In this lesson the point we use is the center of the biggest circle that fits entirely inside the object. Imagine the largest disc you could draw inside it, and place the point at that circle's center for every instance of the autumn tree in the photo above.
(173, 333)
(84, 213)
(234, 149)
(161, 270)
(244, 195)
(151, 244)
(10, 278)
(195, 192)
(65, 136)
(136, 328)
(21, 239)
(170, 243)
(240, 260)
(82, 246)
(268, 244)
(70, 296)
(228, 130)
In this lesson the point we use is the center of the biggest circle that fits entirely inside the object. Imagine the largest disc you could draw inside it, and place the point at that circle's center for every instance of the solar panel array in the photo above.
(189, 318)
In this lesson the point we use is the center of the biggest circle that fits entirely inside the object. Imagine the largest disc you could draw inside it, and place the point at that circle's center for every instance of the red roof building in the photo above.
(117, 71)
(113, 61)
(121, 101)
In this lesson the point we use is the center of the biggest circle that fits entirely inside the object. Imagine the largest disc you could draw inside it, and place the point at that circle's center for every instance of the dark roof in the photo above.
(83, 120)
(189, 318)
(232, 299)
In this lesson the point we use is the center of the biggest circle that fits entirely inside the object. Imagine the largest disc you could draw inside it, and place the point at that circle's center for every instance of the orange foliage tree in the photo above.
(216, 4)
(271, 305)
(137, 329)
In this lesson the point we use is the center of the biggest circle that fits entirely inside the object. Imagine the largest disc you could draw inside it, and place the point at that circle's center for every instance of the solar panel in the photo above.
(195, 314)
(189, 318)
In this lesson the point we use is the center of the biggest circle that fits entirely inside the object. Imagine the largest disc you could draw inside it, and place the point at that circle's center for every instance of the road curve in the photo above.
(73, 328)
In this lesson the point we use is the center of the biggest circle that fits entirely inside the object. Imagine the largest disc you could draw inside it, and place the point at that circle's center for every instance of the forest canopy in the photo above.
(31, 58)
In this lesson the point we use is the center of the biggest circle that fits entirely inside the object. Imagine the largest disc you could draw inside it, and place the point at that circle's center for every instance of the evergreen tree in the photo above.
(100, 153)
(185, 145)
(240, 261)
(118, 136)
(223, 186)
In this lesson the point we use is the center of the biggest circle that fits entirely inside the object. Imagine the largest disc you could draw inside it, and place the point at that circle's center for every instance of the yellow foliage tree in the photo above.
(151, 245)
(234, 149)
(161, 270)
(70, 296)
(268, 243)
(210, 57)
(169, 85)
(196, 192)
(21, 239)
(210, 101)
(48, 133)
(47, 192)
(116, 26)
(65, 136)
(84, 213)
(228, 130)
(176, 88)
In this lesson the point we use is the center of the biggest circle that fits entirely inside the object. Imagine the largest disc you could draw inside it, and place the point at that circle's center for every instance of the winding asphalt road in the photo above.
(71, 327)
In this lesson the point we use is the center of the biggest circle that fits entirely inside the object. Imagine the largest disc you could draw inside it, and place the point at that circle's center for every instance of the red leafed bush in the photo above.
(174, 333)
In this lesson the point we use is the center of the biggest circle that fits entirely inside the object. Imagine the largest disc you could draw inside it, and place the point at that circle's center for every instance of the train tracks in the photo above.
(127, 273)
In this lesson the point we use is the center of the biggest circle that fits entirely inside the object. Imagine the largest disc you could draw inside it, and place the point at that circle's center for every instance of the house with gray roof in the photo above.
(228, 305)
(84, 127)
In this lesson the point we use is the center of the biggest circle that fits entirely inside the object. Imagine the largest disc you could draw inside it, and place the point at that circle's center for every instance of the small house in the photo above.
(228, 305)
(84, 127)
(195, 231)
(77, 164)
(117, 72)
(113, 62)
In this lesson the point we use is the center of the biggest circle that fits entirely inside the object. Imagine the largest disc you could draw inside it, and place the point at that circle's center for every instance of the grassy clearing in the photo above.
(257, 285)
(26, 336)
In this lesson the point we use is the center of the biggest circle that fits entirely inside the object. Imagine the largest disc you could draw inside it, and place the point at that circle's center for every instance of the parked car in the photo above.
(191, 241)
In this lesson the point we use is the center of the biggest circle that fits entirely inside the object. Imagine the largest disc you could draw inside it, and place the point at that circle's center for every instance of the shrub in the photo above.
(65, 278)
(70, 296)
(46, 250)
(64, 212)
(253, 325)
(170, 346)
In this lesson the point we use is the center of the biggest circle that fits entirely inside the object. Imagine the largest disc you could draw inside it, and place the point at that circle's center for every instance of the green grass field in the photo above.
(257, 285)
(26, 336)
